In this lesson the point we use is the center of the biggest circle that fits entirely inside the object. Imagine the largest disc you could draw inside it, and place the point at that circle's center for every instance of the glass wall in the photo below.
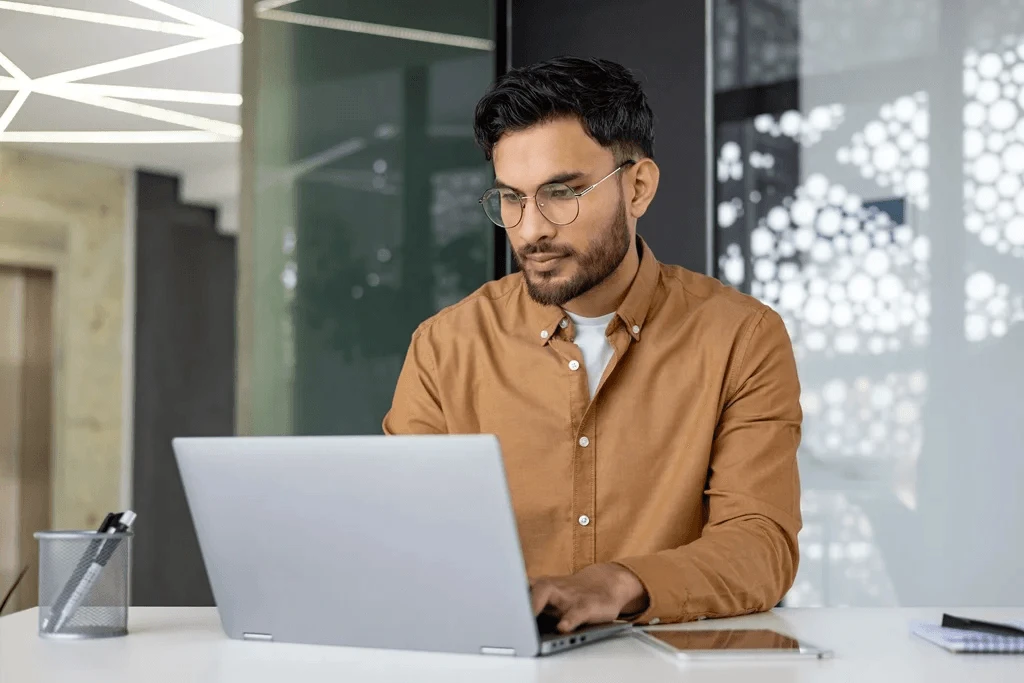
(366, 188)
(868, 186)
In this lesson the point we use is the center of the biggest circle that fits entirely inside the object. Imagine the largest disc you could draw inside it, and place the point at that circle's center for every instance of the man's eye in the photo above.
(560, 192)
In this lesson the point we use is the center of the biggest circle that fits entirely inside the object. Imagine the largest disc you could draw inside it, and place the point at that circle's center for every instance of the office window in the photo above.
(366, 186)
(867, 178)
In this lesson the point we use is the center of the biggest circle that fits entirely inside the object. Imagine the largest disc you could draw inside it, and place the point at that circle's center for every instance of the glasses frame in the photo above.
(522, 198)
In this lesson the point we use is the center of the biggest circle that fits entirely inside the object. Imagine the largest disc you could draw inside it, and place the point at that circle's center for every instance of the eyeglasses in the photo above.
(557, 202)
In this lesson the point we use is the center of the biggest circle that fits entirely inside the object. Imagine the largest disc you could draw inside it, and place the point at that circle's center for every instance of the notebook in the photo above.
(958, 640)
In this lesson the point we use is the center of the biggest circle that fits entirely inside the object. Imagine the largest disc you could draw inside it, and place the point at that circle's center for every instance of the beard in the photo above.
(592, 266)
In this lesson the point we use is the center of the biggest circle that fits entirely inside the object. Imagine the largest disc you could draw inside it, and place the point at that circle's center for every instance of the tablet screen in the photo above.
(748, 639)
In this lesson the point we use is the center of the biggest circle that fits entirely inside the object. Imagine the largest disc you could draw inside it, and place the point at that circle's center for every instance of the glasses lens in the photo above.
(503, 207)
(558, 203)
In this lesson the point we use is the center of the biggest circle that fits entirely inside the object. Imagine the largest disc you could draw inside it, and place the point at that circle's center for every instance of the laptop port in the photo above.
(572, 641)
(583, 639)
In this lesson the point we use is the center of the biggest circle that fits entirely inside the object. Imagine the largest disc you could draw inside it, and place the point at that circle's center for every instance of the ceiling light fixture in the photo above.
(191, 18)
(142, 59)
(131, 92)
(12, 68)
(121, 137)
(210, 35)
(20, 82)
(154, 25)
(12, 109)
(382, 30)
(228, 130)
(264, 5)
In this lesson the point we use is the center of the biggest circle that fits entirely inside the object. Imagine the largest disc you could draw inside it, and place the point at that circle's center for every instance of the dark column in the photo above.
(664, 43)
(184, 380)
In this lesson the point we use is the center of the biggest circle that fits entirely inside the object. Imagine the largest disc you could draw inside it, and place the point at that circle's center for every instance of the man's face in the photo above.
(561, 262)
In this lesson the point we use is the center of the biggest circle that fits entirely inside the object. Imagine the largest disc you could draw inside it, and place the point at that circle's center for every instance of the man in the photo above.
(649, 416)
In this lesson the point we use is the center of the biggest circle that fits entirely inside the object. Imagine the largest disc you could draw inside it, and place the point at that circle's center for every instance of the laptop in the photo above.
(397, 542)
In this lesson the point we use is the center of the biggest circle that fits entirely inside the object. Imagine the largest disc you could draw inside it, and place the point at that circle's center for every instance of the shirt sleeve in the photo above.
(416, 406)
(747, 555)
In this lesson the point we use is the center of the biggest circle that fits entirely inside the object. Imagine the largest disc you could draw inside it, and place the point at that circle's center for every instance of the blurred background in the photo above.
(205, 235)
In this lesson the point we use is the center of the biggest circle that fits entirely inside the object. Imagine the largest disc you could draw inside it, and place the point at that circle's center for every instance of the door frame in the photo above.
(34, 235)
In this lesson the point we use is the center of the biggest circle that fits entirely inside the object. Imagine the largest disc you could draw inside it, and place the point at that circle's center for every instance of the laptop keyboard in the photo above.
(547, 624)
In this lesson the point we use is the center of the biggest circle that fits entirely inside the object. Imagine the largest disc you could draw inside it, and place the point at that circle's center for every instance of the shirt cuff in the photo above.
(665, 595)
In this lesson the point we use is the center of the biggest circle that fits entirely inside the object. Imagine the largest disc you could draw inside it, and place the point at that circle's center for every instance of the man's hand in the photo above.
(598, 594)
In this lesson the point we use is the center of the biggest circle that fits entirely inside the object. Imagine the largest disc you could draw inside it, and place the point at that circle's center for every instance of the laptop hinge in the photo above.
(507, 651)
(257, 636)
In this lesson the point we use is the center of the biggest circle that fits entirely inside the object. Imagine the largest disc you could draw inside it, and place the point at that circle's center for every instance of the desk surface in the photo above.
(187, 644)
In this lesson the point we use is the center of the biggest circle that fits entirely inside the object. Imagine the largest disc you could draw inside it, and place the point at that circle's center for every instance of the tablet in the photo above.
(730, 644)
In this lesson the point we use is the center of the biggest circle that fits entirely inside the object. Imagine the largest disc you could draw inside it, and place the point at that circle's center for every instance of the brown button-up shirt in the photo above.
(682, 467)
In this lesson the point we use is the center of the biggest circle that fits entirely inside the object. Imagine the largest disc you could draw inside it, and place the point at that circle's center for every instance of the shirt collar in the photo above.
(544, 321)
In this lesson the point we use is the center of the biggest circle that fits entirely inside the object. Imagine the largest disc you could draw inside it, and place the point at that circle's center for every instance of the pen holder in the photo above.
(83, 583)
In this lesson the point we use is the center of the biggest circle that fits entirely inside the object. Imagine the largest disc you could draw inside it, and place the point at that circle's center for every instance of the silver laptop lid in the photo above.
(395, 542)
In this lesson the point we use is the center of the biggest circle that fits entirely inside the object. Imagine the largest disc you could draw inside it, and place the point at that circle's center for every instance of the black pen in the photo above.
(978, 626)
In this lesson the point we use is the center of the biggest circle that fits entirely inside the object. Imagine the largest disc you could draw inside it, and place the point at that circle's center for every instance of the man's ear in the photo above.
(644, 178)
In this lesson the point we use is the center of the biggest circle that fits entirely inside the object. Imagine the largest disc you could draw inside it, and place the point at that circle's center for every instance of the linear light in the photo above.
(135, 61)
(12, 68)
(12, 109)
(122, 137)
(264, 5)
(210, 35)
(382, 30)
(108, 19)
(230, 130)
(169, 10)
(132, 92)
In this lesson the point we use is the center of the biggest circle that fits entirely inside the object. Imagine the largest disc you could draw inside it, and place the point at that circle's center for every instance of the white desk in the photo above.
(187, 644)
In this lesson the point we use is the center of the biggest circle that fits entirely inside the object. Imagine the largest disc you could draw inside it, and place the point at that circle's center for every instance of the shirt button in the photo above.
(636, 329)
(584, 520)
(564, 324)
(543, 334)
(584, 441)
(574, 365)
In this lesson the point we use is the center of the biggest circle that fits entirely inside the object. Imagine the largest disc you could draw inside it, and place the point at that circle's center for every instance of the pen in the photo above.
(106, 550)
(106, 526)
(976, 625)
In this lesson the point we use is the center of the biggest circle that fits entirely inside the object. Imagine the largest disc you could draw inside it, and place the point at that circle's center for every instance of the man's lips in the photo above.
(545, 258)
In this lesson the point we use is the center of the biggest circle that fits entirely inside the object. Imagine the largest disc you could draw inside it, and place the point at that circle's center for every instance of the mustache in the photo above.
(541, 248)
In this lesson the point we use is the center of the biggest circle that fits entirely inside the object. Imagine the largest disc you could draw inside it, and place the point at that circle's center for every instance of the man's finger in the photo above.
(574, 617)
(583, 613)
(539, 594)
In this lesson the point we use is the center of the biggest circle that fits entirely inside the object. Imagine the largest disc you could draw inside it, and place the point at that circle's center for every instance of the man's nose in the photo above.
(535, 227)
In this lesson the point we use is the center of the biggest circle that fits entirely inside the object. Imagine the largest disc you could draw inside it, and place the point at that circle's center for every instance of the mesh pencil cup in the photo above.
(84, 579)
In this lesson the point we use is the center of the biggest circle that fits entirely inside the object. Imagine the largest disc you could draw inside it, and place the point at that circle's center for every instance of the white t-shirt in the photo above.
(597, 350)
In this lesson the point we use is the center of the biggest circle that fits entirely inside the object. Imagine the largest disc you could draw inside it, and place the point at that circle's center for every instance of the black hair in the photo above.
(604, 96)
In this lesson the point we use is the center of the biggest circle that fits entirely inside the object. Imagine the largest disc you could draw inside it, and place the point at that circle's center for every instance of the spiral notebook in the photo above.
(958, 640)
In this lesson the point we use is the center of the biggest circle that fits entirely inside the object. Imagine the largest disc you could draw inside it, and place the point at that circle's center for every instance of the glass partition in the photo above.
(366, 187)
(868, 187)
